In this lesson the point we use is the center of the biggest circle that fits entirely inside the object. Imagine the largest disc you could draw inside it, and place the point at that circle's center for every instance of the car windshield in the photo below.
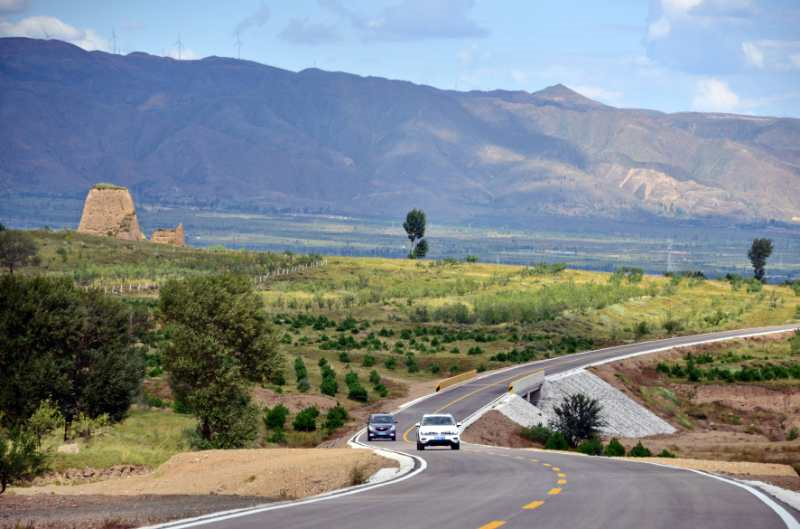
(438, 420)
(381, 419)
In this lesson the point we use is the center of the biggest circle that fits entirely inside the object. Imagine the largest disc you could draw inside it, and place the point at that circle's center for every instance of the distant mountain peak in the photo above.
(564, 95)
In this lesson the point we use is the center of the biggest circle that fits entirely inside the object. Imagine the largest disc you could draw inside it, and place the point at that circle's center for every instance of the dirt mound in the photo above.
(274, 473)
(109, 212)
(295, 402)
(175, 237)
(495, 429)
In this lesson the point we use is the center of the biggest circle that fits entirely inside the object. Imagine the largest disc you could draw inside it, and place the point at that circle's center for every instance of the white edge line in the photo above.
(237, 513)
(228, 515)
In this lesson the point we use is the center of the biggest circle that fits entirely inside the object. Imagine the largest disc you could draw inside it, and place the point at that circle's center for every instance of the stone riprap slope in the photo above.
(109, 211)
(624, 417)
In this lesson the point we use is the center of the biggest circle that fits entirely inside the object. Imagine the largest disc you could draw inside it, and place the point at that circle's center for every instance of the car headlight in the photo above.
(392, 427)
(371, 428)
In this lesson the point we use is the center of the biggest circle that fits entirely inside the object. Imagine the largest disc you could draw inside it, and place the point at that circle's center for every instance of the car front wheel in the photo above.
(420, 446)
(455, 446)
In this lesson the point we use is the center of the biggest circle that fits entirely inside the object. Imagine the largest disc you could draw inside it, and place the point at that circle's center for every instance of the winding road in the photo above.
(486, 488)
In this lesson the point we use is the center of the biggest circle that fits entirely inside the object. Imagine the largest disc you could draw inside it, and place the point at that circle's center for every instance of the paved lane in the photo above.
(488, 488)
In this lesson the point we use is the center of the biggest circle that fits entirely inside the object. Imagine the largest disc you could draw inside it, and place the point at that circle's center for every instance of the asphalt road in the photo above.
(487, 488)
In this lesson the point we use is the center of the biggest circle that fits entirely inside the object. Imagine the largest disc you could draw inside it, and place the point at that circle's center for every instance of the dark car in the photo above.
(381, 426)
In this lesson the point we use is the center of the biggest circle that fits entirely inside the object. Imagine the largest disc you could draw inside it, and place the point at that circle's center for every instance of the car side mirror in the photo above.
(416, 425)
(395, 421)
(458, 425)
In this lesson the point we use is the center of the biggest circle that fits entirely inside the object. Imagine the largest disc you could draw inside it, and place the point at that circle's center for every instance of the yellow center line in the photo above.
(556, 469)
(562, 482)
(533, 505)
(494, 524)
(553, 492)
(562, 475)
(459, 399)
(547, 464)
(535, 460)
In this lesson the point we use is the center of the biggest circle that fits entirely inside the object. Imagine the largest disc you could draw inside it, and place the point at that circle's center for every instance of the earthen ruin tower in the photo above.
(109, 211)
(175, 237)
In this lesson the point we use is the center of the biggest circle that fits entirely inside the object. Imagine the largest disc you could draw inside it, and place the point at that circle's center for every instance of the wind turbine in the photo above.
(238, 45)
(113, 41)
(179, 44)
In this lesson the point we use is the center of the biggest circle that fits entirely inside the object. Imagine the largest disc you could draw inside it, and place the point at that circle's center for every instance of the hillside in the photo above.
(232, 133)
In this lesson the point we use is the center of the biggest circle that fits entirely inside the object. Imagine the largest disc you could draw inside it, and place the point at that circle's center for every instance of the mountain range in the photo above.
(222, 132)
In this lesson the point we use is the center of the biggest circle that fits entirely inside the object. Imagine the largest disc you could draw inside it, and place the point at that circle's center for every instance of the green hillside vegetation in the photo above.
(359, 330)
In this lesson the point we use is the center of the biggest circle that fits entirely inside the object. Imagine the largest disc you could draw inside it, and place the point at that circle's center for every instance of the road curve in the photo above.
(487, 488)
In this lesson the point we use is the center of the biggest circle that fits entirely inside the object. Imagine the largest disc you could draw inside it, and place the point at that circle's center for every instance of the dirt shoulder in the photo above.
(190, 484)
(280, 472)
(495, 429)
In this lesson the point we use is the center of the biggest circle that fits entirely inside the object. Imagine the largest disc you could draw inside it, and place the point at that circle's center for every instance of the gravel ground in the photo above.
(110, 512)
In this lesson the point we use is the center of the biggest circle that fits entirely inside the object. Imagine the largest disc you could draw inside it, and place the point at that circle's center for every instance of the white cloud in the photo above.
(659, 29)
(713, 95)
(598, 93)
(13, 6)
(777, 55)
(43, 27)
(753, 54)
(256, 19)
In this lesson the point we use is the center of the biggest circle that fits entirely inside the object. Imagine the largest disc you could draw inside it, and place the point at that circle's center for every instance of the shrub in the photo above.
(614, 448)
(278, 437)
(538, 434)
(793, 434)
(357, 392)
(381, 390)
(641, 329)
(20, 458)
(794, 343)
(471, 259)
(275, 418)
(592, 447)
(639, 451)
(411, 363)
(335, 418)
(344, 357)
(434, 368)
(368, 361)
(578, 418)
(329, 386)
(557, 441)
(390, 363)
(665, 453)
(303, 385)
(306, 420)
(374, 378)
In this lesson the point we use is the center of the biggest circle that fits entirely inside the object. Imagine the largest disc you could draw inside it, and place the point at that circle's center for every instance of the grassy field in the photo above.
(394, 322)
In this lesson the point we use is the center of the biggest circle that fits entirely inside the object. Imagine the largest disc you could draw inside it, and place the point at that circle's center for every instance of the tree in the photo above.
(759, 252)
(415, 230)
(578, 418)
(17, 249)
(221, 343)
(72, 347)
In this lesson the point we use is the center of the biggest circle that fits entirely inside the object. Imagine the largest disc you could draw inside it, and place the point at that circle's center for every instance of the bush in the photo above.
(794, 343)
(374, 378)
(390, 364)
(275, 418)
(471, 259)
(368, 361)
(344, 357)
(411, 363)
(381, 390)
(538, 434)
(592, 447)
(357, 392)
(639, 451)
(641, 329)
(20, 458)
(557, 441)
(335, 418)
(578, 418)
(614, 448)
(665, 453)
(277, 437)
(306, 420)
(303, 385)
(329, 386)
(793, 434)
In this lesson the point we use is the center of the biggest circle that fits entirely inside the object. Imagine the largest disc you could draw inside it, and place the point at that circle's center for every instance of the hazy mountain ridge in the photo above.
(224, 131)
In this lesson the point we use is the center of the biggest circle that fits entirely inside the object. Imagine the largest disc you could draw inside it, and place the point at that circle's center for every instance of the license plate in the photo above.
(440, 438)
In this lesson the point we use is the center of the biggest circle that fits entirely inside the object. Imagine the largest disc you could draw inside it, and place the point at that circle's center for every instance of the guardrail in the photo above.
(447, 382)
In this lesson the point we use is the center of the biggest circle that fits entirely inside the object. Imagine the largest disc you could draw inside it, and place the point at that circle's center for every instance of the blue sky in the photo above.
(672, 55)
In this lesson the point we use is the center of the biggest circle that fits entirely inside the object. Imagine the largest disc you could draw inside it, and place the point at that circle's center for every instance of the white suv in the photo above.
(438, 430)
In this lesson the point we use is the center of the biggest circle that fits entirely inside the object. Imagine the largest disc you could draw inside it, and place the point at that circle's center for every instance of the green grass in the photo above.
(146, 437)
